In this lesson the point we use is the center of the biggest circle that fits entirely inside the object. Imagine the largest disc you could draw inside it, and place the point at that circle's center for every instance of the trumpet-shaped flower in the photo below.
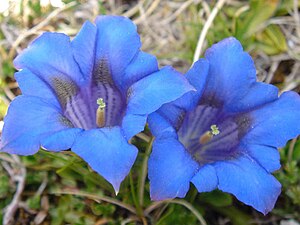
(226, 134)
(90, 95)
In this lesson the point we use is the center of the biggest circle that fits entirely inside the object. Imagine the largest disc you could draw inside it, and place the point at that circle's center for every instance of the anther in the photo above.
(208, 135)
(100, 117)
(214, 129)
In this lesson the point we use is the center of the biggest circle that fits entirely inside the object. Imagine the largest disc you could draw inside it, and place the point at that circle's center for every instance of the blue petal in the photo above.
(161, 124)
(197, 77)
(142, 65)
(50, 55)
(275, 123)
(171, 113)
(230, 68)
(170, 169)
(60, 140)
(268, 157)
(249, 182)
(117, 43)
(28, 121)
(83, 47)
(257, 95)
(107, 152)
(32, 85)
(133, 124)
(150, 93)
(206, 179)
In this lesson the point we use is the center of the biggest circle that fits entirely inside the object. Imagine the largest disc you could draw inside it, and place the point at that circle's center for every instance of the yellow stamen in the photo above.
(208, 135)
(100, 116)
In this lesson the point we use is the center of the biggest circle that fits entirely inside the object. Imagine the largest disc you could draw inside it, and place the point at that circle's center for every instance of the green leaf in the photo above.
(4, 185)
(8, 69)
(105, 210)
(251, 21)
(176, 214)
(216, 198)
(285, 7)
(237, 217)
(60, 210)
(296, 151)
(294, 193)
(34, 202)
(272, 41)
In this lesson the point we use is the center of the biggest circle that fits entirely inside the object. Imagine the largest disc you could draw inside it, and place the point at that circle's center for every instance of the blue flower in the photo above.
(226, 134)
(90, 95)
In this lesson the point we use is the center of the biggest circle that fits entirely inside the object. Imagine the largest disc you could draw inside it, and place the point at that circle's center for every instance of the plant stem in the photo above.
(182, 202)
(206, 27)
(191, 208)
(291, 149)
(143, 173)
(133, 193)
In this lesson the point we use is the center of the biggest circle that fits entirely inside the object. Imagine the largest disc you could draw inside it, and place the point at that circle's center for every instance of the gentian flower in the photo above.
(226, 134)
(90, 95)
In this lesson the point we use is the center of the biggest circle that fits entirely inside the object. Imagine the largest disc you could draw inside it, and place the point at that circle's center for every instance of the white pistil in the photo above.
(208, 135)
(100, 117)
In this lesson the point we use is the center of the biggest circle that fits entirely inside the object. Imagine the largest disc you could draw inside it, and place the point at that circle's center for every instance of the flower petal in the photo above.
(133, 124)
(61, 91)
(197, 77)
(165, 124)
(32, 85)
(50, 55)
(268, 157)
(275, 123)
(170, 169)
(28, 121)
(206, 179)
(83, 47)
(170, 114)
(150, 93)
(257, 95)
(142, 65)
(117, 43)
(107, 152)
(230, 68)
(249, 182)
(61, 140)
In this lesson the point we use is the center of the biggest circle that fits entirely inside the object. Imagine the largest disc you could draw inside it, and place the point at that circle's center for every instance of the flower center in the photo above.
(78, 103)
(210, 135)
